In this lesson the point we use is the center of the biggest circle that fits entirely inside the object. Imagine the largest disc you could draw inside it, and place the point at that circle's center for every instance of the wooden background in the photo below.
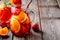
(47, 14)
(50, 19)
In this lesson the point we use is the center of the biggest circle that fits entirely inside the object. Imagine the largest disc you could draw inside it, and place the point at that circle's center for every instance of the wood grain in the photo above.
(50, 23)
(58, 1)
(51, 29)
(47, 2)
(18, 38)
(5, 0)
(49, 12)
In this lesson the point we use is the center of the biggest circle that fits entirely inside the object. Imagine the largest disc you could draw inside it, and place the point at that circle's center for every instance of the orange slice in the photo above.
(11, 1)
(21, 17)
(27, 21)
(4, 31)
(14, 25)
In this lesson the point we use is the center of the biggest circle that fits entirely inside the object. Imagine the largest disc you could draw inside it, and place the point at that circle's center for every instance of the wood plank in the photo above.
(18, 38)
(47, 3)
(51, 29)
(58, 1)
(49, 12)
(0, 38)
(35, 36)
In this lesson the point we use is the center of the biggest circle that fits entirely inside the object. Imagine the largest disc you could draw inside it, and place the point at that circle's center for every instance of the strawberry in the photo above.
(3, 24)
(6, 14)
(35, 27)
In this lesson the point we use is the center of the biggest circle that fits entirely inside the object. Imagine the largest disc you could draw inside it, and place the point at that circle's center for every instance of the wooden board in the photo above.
(50, 19)
(51, 29)
(49, 12)
(58, 1)
(5, 0)
(47, 2)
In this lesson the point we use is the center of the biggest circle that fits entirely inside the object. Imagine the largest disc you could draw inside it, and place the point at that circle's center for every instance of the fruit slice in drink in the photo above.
(21, 17)
(14, 25)
(4, 31)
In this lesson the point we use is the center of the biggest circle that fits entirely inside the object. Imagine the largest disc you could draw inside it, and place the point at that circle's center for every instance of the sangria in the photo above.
(15, 18)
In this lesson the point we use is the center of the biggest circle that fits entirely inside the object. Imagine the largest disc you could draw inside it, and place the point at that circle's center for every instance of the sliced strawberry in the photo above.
(6, 14)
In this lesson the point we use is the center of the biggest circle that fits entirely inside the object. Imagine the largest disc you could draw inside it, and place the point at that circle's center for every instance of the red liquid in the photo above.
(17, 2)
(25, 27)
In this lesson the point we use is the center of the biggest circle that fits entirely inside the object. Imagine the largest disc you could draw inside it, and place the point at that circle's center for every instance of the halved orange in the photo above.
(4, 31)
(21, 17)
(14, 25)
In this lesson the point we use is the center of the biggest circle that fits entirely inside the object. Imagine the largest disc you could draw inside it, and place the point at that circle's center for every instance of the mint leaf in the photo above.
(5, 4)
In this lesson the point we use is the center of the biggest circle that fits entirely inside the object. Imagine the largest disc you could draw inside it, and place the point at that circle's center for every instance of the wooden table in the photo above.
(50, 19)
(47, 14)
